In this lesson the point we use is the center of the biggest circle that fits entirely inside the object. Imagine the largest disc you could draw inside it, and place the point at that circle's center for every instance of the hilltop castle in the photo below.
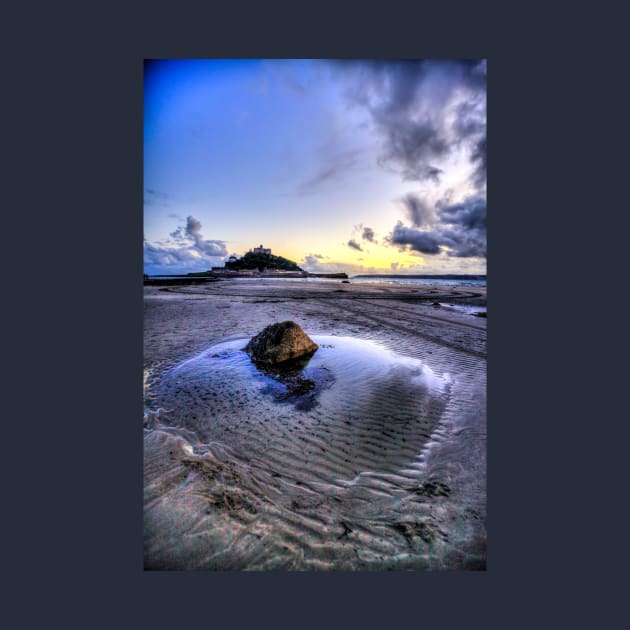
(261, 250)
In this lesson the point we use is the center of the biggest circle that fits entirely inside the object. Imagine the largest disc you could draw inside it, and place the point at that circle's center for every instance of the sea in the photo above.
(423, 280)
(450, 280)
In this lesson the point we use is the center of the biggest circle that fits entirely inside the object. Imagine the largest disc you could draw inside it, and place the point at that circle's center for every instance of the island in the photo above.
(261, 263)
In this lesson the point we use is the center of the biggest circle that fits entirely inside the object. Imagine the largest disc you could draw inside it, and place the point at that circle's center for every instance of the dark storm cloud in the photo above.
(423, 109)
(416, 240)
(464, 228)
(464, 244)
(469, 214)
(427, 113)
(470, 119)
(368, 235)
(461, 229)
(420, 213)
(478, 157)
(412, 146)
(352, 243)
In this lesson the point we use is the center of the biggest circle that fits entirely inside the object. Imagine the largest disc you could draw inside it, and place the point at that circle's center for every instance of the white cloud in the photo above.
(186, 251)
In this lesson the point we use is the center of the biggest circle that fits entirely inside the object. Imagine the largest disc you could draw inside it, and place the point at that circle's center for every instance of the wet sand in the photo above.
(386, 471)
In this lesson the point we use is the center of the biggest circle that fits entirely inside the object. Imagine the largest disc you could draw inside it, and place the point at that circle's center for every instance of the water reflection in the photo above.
(351, 407)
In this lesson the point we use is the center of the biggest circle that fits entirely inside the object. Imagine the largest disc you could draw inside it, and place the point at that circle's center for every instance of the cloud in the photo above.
(312, 262)
(352, 243)
(187, 250)
(430, 117)
(154, 197)
(179, 234)
(470, 117)
(207, 248)
(416, 240)
(460, 231)
(478, 158)
(420, 213)
(335, 166)
(465, 227)
(423, 110)
(368, 235)
(470, 214)
(433, 264)
(316, 266)
(151, 192)
(413, 145)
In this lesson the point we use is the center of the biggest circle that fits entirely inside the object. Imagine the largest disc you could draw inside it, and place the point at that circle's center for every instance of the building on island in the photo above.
(261, 250)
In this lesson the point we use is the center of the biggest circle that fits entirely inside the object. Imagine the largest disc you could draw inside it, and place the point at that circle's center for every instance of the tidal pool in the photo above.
(321, 467)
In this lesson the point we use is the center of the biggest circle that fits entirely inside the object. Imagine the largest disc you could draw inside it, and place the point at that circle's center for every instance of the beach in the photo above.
(380, 465)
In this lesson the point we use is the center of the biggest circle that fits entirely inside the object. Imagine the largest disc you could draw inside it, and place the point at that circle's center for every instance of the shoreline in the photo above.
(229, 275)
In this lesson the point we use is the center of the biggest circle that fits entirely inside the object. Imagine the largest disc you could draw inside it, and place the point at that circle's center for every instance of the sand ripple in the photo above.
(366, 475)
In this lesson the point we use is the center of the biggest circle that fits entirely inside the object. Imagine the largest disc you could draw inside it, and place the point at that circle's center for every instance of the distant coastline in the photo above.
(219, 274)
(448, 276)
(212, 276)
(308, 274)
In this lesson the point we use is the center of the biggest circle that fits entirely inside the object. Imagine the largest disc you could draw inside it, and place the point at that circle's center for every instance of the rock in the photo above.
(280, 342)
(480, 314)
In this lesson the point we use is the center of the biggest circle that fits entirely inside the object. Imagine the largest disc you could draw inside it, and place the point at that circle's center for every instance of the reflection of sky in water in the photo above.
(355, 402)
(372, 476)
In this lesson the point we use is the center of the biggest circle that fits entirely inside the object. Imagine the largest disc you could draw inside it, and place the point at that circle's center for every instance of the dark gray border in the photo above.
(76, 133)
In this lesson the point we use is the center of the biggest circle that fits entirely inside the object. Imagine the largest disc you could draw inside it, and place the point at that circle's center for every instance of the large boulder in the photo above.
(279, 343)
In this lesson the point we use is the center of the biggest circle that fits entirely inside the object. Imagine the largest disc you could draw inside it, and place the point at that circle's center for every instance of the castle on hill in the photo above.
(261, 250)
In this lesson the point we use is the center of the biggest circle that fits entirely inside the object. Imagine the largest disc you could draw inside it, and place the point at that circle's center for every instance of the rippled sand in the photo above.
(379, 464)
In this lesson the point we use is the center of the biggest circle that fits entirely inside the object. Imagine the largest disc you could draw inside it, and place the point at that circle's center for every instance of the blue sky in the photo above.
(356, 166)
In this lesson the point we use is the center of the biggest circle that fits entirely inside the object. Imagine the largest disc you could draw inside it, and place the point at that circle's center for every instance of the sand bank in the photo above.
(386, 471)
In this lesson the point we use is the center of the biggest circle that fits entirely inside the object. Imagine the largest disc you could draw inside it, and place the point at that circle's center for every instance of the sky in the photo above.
(360, 166)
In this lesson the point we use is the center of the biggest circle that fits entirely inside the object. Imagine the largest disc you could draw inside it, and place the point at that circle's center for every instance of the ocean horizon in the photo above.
(422, 279)
(425, 279)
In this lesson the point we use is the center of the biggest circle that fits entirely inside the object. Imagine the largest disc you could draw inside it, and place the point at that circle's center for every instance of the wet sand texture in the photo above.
(373, 459)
